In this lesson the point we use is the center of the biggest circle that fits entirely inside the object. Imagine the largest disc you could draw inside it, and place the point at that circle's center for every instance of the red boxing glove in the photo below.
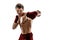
(16, 19)
(31, 15)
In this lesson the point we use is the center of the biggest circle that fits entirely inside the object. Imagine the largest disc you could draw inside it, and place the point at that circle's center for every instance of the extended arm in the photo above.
(33, 14)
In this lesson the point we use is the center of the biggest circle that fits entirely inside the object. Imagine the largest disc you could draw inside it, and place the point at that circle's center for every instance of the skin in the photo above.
(26, 22)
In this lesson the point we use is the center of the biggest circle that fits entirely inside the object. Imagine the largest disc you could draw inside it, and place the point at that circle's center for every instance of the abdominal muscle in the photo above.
(25, 30)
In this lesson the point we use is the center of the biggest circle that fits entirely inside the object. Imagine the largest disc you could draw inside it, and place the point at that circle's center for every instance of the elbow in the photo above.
(13, 28)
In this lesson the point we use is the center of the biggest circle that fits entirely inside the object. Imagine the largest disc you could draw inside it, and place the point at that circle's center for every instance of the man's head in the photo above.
(19, 8)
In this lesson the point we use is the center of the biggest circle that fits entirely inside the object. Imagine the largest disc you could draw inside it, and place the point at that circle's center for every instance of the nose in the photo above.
(20, 10)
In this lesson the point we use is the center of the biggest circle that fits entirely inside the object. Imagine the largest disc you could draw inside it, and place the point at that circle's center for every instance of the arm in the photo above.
(38, 13)
(33, 14)
(14, 25)
(15, 22)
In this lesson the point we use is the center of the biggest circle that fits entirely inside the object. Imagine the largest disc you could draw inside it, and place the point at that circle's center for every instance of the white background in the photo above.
(46, 27)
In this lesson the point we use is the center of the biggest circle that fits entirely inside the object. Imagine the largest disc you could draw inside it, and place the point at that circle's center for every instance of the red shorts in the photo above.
(28, 36)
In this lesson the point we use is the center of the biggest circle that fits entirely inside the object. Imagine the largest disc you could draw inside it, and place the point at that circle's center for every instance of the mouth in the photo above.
(20, 14)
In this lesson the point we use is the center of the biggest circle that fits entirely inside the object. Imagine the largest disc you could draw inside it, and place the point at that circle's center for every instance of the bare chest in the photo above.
(25, 22)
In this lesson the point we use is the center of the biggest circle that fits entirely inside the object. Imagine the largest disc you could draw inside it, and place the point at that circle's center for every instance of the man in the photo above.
(24, 20)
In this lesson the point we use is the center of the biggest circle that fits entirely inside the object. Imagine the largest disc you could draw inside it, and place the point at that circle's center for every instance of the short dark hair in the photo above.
(19, 5)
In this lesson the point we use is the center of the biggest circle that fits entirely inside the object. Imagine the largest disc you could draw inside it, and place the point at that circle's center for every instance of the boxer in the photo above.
(24, 19)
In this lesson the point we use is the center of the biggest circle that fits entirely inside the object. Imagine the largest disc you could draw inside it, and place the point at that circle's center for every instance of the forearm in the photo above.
(15, 22)
(14, 25)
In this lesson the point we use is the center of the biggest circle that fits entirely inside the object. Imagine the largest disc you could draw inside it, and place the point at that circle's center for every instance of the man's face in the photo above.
(19, 10)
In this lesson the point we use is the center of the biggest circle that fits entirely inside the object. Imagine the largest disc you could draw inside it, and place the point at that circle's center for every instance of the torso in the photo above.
(25, 25)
